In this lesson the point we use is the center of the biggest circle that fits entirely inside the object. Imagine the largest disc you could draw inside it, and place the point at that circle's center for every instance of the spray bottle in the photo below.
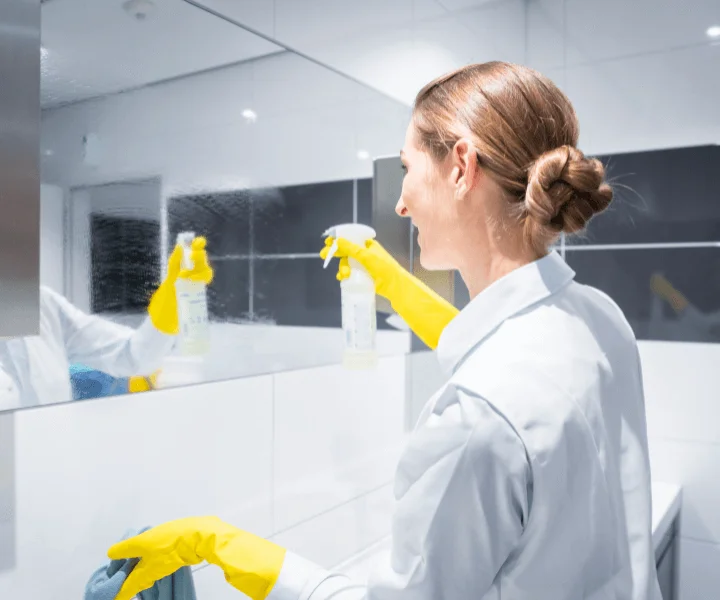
(192, 305)
(359, 317)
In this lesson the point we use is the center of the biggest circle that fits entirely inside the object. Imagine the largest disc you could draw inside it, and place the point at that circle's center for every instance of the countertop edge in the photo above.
(667, 499)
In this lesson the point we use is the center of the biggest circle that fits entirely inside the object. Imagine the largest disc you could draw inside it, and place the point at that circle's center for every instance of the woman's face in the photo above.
(428, 199)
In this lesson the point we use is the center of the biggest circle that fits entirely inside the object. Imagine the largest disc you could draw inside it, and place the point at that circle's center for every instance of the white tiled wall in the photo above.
(249, 450)
(681, 383)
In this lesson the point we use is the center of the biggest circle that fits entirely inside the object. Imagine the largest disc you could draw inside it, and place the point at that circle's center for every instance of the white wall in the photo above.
(52, 237)
(681, 390)
(305, 457)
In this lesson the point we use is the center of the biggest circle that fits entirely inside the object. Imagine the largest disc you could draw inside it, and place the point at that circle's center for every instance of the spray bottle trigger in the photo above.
(331, 253)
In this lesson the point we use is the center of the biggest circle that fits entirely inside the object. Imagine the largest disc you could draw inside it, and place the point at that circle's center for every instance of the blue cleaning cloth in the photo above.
(90, 383)
(106, 582)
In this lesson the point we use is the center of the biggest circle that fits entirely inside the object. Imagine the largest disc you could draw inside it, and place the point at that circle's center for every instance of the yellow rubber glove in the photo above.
(139, 383)
(426, 312)
(163, 309)
(251, 564)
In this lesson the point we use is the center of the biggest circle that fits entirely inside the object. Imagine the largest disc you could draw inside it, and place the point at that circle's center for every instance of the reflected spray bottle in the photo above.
(192, 306)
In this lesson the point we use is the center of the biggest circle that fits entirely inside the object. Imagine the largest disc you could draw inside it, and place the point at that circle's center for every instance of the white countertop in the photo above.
(666, 499)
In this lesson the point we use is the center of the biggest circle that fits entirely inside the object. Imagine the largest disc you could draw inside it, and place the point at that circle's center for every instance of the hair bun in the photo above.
(565, 190)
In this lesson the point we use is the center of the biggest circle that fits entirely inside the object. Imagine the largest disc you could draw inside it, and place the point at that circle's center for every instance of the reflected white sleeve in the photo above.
(110, 347)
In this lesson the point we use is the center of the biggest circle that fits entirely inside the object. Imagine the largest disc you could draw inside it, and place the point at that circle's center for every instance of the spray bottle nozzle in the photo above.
(353, 232)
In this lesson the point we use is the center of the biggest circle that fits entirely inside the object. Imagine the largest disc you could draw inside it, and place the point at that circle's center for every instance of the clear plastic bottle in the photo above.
(359, 316)
(192, 306)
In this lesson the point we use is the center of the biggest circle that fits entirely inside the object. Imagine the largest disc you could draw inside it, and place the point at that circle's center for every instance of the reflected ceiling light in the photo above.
(48, 152)
(43, 53)
(249, 115)
(363, 154)
(713, 32)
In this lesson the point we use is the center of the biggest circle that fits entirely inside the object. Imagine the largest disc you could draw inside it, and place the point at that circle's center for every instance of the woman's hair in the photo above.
(525, 131)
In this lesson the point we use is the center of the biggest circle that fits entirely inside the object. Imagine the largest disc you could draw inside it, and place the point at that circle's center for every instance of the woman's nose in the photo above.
(400, 208)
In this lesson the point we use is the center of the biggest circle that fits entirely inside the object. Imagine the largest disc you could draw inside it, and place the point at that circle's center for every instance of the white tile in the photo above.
(616, 28)
(301, 23)
(627, 105)
(328, 538)
(691, 465)
(699, 576)
(338, 434)
(379, 507)
(681, 382)
(497, 28)
(360, 566)
(545, 37)
(87, 472)
(210, 584)
(255, 14)
(338, 534)
(425, 377)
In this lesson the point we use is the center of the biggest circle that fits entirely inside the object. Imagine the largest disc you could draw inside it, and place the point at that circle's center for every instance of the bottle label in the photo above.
(193, 321)
(359, 320)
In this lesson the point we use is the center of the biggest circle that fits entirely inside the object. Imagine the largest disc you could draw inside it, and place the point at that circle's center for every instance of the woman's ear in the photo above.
(465, 168)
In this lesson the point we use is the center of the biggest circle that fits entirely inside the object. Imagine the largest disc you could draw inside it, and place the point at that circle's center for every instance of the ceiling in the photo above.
(95, 47)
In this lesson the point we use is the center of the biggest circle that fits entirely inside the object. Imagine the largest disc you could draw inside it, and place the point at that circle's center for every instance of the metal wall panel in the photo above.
(19, 167)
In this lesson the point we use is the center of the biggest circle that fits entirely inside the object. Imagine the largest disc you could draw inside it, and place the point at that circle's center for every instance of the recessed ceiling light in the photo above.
(713, 32)
(363, 154)
(249, 115)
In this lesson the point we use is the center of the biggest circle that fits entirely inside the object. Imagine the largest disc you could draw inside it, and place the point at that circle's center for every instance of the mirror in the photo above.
(147, 134)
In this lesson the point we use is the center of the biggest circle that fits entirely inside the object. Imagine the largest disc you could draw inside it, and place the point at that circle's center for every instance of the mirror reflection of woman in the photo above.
(527, 476)
(35, 370)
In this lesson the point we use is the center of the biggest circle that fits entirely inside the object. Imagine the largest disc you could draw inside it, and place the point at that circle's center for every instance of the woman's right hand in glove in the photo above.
(426, 312)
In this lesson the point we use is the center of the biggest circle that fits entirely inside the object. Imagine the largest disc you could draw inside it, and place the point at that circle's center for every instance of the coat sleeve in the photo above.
(462, 500)
(110, 347)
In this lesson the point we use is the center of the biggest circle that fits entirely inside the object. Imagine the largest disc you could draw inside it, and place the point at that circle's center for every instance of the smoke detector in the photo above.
(139, 9)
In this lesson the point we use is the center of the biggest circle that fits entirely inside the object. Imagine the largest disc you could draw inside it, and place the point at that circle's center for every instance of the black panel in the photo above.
(125, 263)
(629, 276)
(228, 294)
(297, 292)
(364, 196)
(660, 196)
(293, 221)
(224, 219)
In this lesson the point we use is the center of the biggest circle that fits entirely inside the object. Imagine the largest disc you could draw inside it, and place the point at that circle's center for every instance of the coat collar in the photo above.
(506, 297)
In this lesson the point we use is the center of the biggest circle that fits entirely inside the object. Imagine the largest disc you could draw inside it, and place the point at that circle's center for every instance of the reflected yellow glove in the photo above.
(139, 383)
(426, 312)
(163, 308)
(251, 564)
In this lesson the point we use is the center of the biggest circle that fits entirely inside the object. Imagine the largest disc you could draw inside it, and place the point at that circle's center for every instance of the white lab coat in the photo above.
(39, 366)
(527, 477)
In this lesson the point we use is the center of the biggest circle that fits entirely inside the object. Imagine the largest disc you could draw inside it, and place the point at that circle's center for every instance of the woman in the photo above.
(528, 474)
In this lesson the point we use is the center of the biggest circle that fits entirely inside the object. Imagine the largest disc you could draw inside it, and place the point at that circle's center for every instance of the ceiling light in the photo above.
(249, 115)
(363, 154)
(43, 53)
(713, 32)
(48, 152)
